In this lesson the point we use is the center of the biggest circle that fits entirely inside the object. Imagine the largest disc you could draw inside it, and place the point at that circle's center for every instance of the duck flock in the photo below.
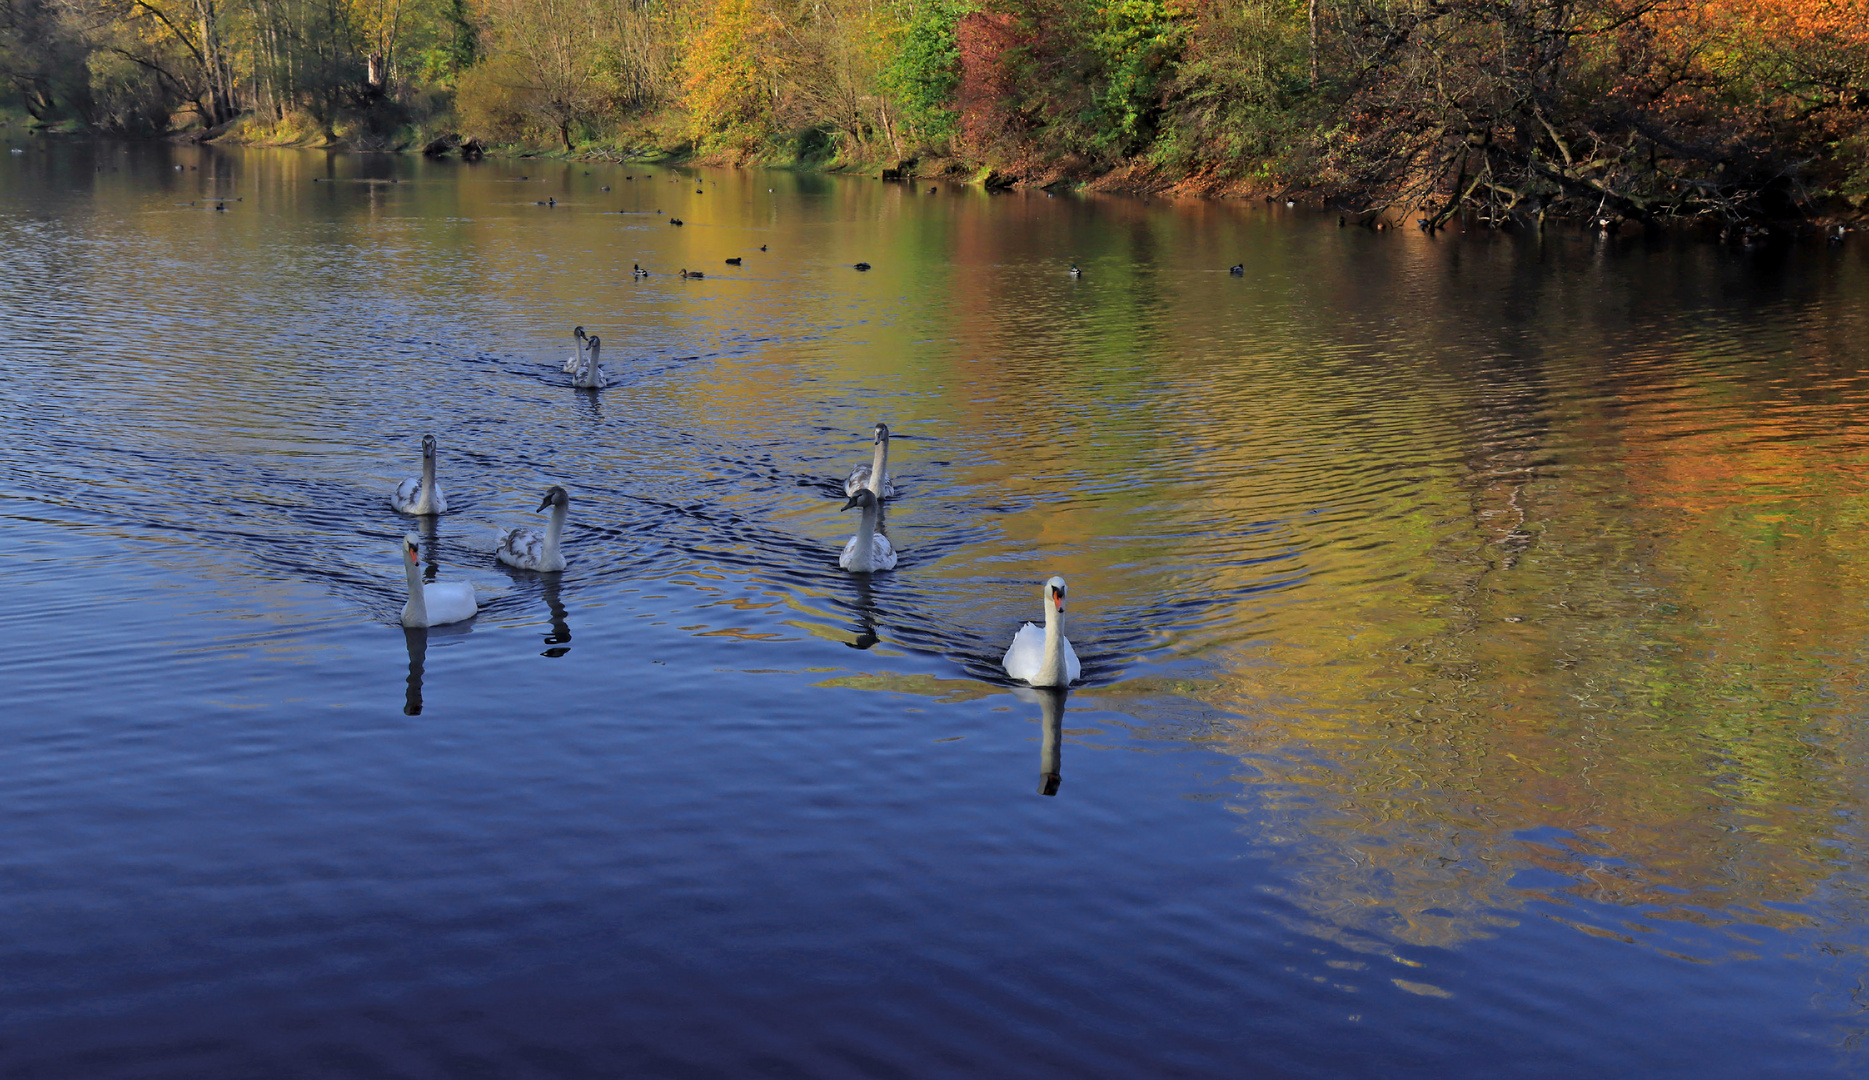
(1037, 656)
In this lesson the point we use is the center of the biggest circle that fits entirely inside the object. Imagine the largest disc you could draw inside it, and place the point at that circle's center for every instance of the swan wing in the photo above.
(849, 553)
(883, 552)
(889, 486)
(1072, 669)
(449, 601)
(410, 498)
(407, 493)
(572, 364)
(1027, 650)
(523, 548)
(858, 479)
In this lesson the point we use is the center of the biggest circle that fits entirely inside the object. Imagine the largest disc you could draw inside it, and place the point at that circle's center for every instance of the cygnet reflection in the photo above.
(559, 640)
(865, 607)
(591, 407)
(1050, 701)
(431, 543)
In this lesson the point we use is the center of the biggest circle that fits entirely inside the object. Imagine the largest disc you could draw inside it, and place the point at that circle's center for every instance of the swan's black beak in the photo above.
(545, 502)
(848, 503)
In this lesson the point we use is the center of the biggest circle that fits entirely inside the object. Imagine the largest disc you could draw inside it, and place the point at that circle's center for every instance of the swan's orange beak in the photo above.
(1058, 599)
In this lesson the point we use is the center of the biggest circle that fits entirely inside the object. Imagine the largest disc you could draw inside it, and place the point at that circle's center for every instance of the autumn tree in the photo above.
(732, 74)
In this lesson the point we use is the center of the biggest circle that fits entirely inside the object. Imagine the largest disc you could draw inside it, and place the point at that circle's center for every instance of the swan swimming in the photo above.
(421, 495)
(868, 550)
(527, 549)
(874, 476)
(576, 359)
(434, 603)
(1045, 657)
(591, 375)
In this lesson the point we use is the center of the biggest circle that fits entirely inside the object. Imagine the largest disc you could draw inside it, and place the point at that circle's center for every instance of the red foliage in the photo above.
(987, 85)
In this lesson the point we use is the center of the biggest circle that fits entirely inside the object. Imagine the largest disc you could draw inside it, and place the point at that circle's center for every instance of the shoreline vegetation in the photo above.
(1746, 115)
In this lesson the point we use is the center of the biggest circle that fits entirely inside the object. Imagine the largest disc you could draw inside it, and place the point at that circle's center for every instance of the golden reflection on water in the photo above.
(1642, 674)
(1519, 570)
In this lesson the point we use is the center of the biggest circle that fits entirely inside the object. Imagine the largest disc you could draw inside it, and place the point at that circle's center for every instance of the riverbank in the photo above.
(663, 138)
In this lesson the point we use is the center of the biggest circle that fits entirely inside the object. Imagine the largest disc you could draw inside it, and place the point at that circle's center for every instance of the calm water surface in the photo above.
(1474, 634)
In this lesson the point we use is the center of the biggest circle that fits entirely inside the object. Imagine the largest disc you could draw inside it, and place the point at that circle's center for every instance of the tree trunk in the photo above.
(221, 104)
(1313, 43)
(377, 79)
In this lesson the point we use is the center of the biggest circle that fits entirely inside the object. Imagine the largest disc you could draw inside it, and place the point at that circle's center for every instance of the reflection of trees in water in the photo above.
(1650, 695)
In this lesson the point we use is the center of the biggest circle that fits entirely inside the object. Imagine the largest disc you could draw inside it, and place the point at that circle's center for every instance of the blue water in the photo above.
(1464, 696)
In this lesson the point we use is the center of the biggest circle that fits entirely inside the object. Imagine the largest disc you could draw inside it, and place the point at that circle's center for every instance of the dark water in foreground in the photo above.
(1474, 633)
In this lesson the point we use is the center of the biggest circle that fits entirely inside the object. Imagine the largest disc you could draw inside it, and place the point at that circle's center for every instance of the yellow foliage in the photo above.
(495, 99)
(730, 74)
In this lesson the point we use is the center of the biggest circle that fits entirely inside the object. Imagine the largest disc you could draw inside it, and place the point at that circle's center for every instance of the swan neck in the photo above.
(878, 468)
(554, 531)
(428, 481)
(865, 555)
(1051, 664)
(418, 602)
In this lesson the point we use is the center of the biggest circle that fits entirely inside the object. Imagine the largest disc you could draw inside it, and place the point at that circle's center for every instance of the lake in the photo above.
(1473, 628)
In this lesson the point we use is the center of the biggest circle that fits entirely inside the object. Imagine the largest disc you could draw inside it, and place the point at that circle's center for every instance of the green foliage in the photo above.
(924, 71)
(1241, 104)
(1138, 43)
(456, 47)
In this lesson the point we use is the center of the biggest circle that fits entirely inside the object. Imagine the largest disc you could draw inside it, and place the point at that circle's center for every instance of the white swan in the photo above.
(528, 549)
(868, 550)
(591, 375)
(874, 476)
(420, 494)
(1045, 657)
(434, 603)
(576, 359)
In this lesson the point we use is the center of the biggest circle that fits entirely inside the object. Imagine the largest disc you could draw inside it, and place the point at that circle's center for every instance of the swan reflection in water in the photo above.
(1050, 701)
(591, 407)
(865, 607)
(417, 638)
(559, 639)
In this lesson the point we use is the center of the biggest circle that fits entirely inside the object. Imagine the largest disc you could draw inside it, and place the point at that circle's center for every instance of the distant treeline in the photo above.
(1510, 109)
